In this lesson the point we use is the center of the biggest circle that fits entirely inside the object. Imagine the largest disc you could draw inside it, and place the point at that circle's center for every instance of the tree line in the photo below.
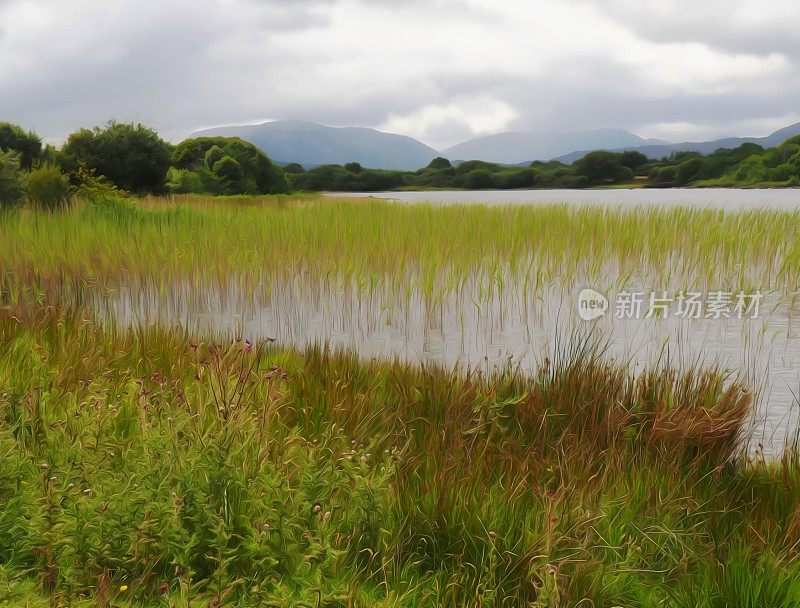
(129, 158)
(133, 158)
(746, 165)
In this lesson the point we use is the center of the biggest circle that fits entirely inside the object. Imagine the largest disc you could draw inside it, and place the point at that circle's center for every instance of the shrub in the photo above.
(783, 172)
(12, 182)
(439, 163)
(48, 188)
(132, 157)
(230, 175)
(185, 181)
(479, 179)
(256, 173)
(520, 178)
(689, 170)
(27, 144)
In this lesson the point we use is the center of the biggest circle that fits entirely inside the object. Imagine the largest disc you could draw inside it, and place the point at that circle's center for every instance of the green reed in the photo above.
(429, 248)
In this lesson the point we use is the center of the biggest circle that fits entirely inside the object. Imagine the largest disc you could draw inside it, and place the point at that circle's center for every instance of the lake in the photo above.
(472, 327)
(718, 198)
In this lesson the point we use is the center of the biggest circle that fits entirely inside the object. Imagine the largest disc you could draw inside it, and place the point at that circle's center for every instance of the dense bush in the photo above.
(226, 165)
(515, 178)
(479, 179)
(48, 188)
(12, 180)
(27, 145)
(341, 179)
(132, 157)
(439, 163)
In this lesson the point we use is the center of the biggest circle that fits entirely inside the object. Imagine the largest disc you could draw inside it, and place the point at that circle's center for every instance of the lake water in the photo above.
(471, 327)
(718, 198)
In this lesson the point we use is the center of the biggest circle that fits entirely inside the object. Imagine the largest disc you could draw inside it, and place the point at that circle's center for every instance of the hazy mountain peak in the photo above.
(516, 147)
(311, 144)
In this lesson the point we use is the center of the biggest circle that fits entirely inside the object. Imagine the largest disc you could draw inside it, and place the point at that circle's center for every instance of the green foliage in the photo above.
(201, 180)
(600, 166)
(479, 179)
(439, 163)
(48, 189)
(515, 178)
(689, 170)
(27, 145)
(230, 174)
(633, 160)
(95, 188)
(12, 180)
(238, 167)
(338, 178)
(132, 157)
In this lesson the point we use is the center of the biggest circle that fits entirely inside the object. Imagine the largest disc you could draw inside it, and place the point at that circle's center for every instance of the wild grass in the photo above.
(430, 249)
(190, 473)
(148, 466)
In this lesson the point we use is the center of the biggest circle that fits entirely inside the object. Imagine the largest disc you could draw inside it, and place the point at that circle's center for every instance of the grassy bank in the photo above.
(146, 469)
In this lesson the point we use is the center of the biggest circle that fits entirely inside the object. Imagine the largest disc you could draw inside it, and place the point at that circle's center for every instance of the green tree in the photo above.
(200, 181)
(259, 174)
(633, 160)
(230, 174)
(439, 163)
(213, 155)
(512, 179)
(132, 157)
(48, 188)
(689, 170)
(12, 181)
(479, 179)
(599, 166)
(27, 145)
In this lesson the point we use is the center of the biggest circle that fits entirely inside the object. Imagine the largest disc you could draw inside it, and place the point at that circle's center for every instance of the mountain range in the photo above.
(704, 147)
(513, 148)
(311, 144)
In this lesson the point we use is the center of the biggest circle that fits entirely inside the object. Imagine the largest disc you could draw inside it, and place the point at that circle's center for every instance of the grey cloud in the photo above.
(184, 64)
(710, 22)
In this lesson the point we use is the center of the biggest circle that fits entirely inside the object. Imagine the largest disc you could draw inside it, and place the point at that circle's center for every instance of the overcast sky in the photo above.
(439, 70)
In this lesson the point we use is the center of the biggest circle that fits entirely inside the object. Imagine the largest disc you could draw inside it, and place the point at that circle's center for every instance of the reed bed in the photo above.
(144, 468)
(428, 249)
(151, 466)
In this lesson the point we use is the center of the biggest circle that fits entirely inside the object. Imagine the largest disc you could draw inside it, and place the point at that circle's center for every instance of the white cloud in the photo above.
(449, 124)
(440, 70)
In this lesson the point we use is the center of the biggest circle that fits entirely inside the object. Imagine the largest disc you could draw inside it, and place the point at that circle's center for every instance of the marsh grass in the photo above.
(148, 466)
(247, 474)
(430, 249)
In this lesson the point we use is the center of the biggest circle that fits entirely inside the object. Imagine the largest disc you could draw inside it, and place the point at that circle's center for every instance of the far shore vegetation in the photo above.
(135, 159)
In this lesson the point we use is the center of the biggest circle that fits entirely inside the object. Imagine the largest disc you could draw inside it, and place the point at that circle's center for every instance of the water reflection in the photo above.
(475, 326)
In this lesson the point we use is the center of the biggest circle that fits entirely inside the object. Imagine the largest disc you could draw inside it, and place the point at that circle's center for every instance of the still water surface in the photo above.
(718, 198)
(479, 328)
